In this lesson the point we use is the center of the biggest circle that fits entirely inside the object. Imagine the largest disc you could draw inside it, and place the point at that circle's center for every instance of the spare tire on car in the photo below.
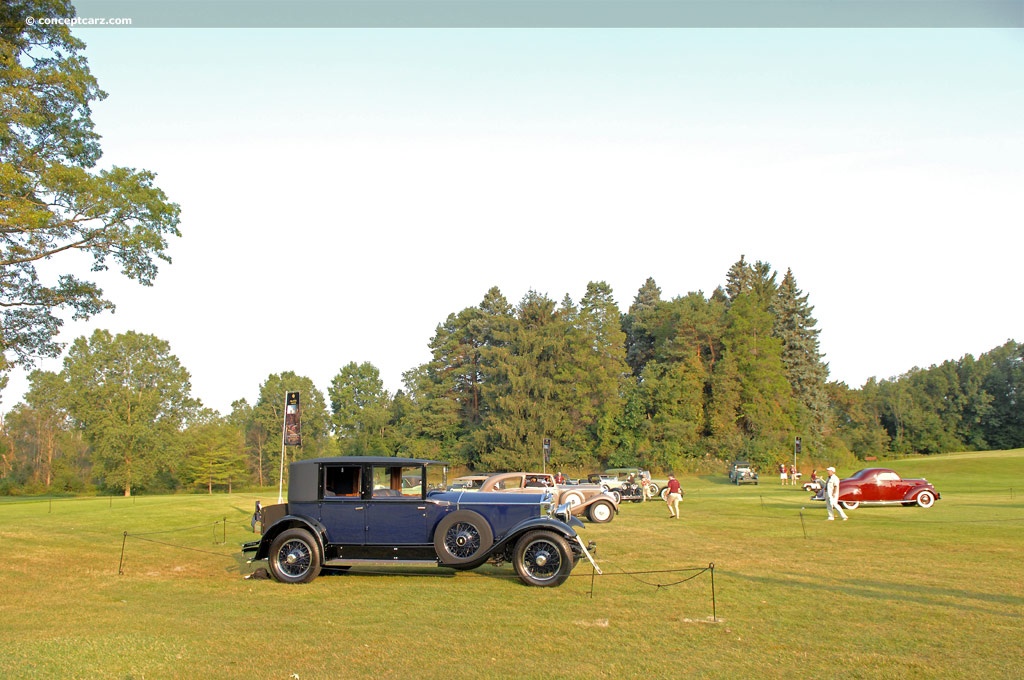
(462, 539)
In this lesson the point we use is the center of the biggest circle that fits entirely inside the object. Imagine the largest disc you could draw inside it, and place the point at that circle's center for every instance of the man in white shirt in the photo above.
(832, 495)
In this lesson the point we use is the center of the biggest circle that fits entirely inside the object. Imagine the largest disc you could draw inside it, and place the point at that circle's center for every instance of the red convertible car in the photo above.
(880, 486)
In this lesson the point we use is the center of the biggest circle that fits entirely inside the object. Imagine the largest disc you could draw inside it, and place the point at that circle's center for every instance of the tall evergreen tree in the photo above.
(761, 408)
(360, 410)
(1004, 383)
(639, 341)
(601, 354)
(802, 358)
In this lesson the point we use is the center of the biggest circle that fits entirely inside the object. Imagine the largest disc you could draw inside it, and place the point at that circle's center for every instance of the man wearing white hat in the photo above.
(832, 495)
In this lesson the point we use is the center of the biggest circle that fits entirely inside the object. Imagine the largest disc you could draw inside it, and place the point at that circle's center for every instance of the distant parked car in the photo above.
(369, 510)
(744, 475)
(587, 500)
(468, 482)
(622, 489)
(640, 476)
(881, 486)
(736, 466)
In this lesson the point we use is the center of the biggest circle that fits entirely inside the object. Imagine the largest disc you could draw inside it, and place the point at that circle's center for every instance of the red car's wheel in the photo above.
(926, 499)
(850, 505)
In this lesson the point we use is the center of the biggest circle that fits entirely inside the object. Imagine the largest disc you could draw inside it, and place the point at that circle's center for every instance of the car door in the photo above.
(342, 506)
(891, 487)
(396, 511)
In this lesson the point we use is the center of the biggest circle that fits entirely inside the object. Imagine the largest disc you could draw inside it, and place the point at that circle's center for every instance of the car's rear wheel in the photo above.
(543, 558)
(294, 557)
(601, 512)
(462, 539)
(664, 494)
(850, 505)
(926, 499)
(652, 490)
(617, 495)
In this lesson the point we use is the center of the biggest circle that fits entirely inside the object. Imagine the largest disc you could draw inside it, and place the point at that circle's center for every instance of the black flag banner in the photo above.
(292, 425)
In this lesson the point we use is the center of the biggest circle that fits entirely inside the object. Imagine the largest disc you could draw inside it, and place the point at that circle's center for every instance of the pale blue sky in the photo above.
(396, 175)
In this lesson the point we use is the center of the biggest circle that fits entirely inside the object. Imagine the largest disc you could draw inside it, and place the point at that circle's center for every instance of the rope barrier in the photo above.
(631, 574)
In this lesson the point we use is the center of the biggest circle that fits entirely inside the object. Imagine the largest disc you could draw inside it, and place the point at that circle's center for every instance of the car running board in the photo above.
(379, 563)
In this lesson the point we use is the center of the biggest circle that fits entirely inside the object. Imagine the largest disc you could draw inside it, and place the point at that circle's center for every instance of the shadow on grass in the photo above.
(887, 591)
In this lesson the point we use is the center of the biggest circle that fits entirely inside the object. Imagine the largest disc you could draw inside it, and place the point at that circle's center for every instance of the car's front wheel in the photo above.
(850, 505)
(601, 512)
(462, 539)
(543, 558)
(925, 499)
(294, 557)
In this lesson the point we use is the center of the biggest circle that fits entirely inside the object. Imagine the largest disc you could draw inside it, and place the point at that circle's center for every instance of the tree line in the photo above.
(679, 383)
(682, 383)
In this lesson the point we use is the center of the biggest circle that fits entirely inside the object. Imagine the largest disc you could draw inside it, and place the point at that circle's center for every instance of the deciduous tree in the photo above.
(53, 199)
(132, 398)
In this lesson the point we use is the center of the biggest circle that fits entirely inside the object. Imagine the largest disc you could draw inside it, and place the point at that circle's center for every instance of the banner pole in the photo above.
(280, 476)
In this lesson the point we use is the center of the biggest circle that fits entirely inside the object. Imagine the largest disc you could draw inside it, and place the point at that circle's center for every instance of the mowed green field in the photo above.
(892, 593)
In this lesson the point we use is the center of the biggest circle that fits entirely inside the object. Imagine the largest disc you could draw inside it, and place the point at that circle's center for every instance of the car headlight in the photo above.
(563, 512)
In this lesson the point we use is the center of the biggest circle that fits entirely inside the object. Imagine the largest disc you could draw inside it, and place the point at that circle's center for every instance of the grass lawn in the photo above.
(894, 592)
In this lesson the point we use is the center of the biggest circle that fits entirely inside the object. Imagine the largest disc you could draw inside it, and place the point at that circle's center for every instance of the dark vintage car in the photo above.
(737, 468)
(351, 511)
(621, 489)
(881, 486)
(744, 474)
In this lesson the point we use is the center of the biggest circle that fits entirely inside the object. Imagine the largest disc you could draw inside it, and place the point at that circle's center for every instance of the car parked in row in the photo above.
(736, 468)
(623, 489)
(881, 486)
(468, 482)
(587, 500)
(639, 476)
(368, 510)
(744, 475)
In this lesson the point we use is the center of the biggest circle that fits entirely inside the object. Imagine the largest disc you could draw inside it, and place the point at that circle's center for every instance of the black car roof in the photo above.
(370, 460)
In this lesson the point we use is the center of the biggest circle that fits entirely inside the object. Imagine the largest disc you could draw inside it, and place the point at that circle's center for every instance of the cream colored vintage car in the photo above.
(586, 500)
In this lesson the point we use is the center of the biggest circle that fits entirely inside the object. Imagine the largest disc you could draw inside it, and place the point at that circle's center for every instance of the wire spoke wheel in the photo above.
(543, 558)
(462, 539)
(294, 557)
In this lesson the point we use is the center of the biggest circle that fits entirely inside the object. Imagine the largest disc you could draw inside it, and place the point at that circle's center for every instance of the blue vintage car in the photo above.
(367, 510)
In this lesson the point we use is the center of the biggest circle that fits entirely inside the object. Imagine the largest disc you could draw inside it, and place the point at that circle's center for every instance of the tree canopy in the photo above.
(54, 199)
(674, 383)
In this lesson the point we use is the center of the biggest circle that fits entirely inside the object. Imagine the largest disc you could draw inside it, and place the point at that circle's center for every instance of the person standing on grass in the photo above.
(832, 495)
(782, 474)
(675, 494)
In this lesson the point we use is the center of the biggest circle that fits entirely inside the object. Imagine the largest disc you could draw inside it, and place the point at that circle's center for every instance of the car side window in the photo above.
(888, 477)
(397, 482)
(342, 481)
